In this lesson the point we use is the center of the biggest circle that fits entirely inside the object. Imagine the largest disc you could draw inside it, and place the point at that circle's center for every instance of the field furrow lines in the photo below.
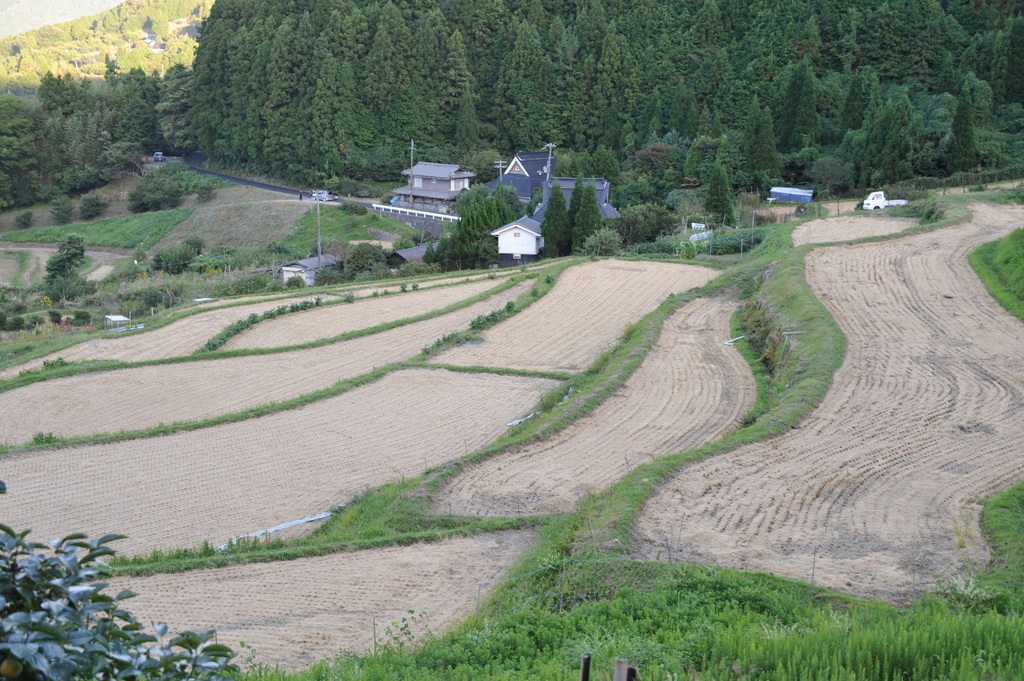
(582, 316)
(297, 612)
(232, 479)
(181, 337)
(135, 398)
(848, 228)
(924, 418)
(688, 391)
(334, 320)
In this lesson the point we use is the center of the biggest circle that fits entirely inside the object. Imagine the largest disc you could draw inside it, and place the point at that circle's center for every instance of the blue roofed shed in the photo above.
(792, 195)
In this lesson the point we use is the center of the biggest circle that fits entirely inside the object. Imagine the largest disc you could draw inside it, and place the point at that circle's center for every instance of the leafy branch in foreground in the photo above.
(58, 626)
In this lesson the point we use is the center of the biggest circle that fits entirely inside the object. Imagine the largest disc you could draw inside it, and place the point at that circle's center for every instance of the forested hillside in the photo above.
(321, 88)
(18, 16)
(86, 46)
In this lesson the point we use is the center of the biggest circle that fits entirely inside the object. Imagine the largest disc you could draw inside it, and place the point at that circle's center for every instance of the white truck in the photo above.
(877, 200)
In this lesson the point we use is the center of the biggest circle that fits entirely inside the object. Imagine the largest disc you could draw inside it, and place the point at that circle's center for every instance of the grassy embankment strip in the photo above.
(1000, 266)
(338, 225)
(142, 229)
(338, 388)
(75, 368)
(24, 260)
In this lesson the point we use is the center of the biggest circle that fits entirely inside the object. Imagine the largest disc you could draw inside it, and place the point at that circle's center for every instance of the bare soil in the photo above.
(848, 229)
(239, 217)
(326, 322)
(689, 390)
(225, 481)
(141, 397)
(585, 313)
(925, 418)
(297, 612)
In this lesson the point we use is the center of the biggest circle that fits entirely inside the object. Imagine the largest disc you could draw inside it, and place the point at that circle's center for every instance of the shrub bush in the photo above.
(353, 208)
(82, 317)
(604, 241)
(417, 269)
(174, 259)
(61, 209)
(92, 205)
(23, 220)
(295, 282)
(363, 258)
(159, 190)
(15, 323)
(58, 625)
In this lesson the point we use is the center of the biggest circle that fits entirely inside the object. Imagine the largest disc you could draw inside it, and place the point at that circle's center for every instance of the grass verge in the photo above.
(1000, 266)
(337, 225)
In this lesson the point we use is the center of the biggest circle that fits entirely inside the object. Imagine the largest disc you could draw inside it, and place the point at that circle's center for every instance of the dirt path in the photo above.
(582, 316)
(848, 229)
(140, 397)
(689, 390)
(924, 418)
(296, 612)
(325, 322)
(229, 480)
(10, 267)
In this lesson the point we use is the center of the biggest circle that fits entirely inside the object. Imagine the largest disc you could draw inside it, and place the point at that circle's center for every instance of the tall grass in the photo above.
(144, 230)
(1000, 265)
(337, 225)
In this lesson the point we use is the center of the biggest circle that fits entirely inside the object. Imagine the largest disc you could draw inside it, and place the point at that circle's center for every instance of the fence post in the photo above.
(561, 597)
(585, 667)
(374, 635)
(621, 669)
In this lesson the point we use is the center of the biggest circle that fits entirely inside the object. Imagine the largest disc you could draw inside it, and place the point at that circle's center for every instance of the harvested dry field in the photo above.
(924, 418)
(182, 337)
(140, 397)
(237, 478)
(583, 315)
(689, 390)
(296, 612)
(848, 229)
(334, 320)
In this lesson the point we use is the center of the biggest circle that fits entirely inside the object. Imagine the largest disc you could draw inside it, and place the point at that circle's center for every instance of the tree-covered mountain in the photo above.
(18, 16)
(322, 88)
(86, 46)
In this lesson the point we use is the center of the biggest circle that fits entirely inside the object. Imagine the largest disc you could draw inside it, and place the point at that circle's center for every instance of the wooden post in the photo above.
(631, 674)
(585, 667)
(621, 669)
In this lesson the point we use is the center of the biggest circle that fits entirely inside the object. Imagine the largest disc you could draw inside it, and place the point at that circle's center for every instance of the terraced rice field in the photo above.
(688, 391)
(140, 397)
(228, 480)
(334, 320)
(179, 338)
(583, 315)
(296, 612)
(848, 229)
(924, 418)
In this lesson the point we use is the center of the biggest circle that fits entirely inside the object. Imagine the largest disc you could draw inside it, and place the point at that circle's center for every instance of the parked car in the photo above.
(159, 157)
(322, 195)
(877, 200)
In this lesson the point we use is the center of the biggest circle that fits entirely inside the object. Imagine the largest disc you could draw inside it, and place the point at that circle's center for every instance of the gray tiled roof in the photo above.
(567, 184)
(326, 260)
(443, 170)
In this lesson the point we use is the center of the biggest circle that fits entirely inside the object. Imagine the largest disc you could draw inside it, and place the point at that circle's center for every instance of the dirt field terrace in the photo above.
(924, 418)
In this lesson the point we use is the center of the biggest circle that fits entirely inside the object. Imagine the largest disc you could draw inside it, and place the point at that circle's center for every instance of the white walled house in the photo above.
(432, 187)
(307, 268)
(519, 242)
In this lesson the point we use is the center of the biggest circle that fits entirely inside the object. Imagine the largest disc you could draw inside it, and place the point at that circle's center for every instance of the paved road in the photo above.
(199, 158)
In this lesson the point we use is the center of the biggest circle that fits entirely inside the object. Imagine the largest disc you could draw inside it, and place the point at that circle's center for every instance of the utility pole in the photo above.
(412, 148)
(319, 243)
(547, 169)
(500, 165)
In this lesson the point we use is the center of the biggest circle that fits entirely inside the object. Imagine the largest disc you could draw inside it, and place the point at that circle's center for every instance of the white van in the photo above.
(877, 200)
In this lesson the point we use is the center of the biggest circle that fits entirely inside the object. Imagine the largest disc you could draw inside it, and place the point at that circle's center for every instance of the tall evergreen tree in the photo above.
(575, 201)
(963, 147)
(798, 119)
(719, 196)
(947, 76)
(555, 227)
(588, 217)
(758, 144)
(852, 115)
(683, 118)
(1008, 62)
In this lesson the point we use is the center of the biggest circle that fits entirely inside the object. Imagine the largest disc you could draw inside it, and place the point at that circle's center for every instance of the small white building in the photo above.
(307, 268)
(519, 242)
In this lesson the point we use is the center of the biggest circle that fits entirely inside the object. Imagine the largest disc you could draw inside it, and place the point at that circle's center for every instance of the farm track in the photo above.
(334, 320)
(924, 418)
(297, 612)
(135, 398)
(228, 480)
(848, 229)
(582, 316)
(689, 390)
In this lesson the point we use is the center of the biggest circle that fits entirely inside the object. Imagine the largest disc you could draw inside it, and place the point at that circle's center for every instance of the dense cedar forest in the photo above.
(837, 95)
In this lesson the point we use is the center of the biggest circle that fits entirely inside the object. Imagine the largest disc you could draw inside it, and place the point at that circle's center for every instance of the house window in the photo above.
(516, 256)
(417, 182)
(515, 234)
(433, 180)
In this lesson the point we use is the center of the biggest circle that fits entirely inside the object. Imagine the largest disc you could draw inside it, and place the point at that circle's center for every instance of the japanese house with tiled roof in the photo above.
(525, 173)
(432, 187)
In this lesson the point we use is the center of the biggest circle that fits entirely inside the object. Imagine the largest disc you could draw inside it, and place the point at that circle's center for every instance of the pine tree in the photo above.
(1008, 63)
(575, 201)
(704, 122)
(947, 76)
(684, 112)
(719, 196)
(588, 217)
(555, 227)
(963, 148)
(694, 159)
(799, 117)
(852, 116)
(467, 129)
